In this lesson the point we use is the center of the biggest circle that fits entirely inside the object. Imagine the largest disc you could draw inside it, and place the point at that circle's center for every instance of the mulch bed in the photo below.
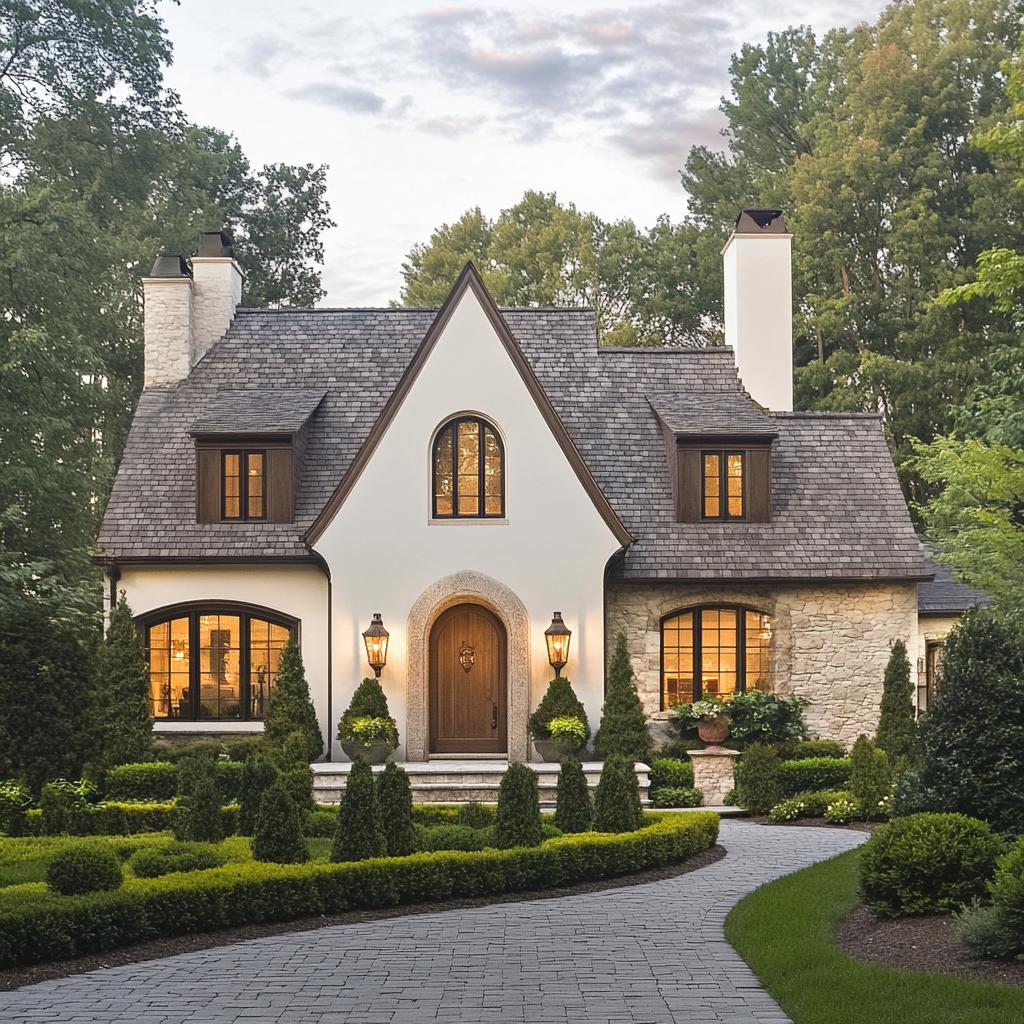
(922, 943)
(15, 977)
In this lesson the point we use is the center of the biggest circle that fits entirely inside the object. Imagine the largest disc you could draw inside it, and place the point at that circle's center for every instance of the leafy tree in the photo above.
(623, 728)
(258, 775)
(896, 724)
(573, 812)
(395, 797)
(617, 806)
(278, 834)
(360, 831)
(123, 723)
(517, 822)
(290, 713)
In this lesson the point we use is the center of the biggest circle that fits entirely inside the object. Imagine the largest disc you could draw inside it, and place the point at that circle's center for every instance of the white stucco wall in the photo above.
(298, 591)
(551, 550)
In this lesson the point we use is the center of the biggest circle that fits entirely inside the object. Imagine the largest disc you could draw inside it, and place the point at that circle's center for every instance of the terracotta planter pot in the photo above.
(550, 751)
(713, 731)
(376, 752)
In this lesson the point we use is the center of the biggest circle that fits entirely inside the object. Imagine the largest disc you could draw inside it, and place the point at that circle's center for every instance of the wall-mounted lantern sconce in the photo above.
(557, 636)
(376, 640)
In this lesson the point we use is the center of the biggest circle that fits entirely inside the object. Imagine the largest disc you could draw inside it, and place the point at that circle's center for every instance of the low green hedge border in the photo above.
(809, 774)
(111, 818)
(157, 781)
(54, 927)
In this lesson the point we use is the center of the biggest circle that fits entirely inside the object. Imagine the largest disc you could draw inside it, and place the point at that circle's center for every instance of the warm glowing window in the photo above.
(243, 484)
(214, 665)
(468, 471)
(714, 652)
(722, 485)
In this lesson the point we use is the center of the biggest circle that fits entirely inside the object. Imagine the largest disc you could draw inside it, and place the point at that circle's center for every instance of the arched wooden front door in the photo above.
(467, 682)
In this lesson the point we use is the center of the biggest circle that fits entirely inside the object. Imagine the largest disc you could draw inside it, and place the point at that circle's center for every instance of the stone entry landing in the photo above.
(456, 782)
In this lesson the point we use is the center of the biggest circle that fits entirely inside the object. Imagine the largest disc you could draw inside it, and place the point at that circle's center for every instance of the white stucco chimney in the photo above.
(187, 311)
(759, 306)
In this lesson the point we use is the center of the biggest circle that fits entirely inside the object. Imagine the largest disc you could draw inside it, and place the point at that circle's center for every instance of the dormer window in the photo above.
(468, 471)
(243, 484)
(723, 485)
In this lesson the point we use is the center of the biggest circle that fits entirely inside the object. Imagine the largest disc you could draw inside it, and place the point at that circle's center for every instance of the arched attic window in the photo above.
(468, 470)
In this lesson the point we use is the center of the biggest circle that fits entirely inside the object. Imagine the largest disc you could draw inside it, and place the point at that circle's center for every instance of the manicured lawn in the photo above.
(784, 931)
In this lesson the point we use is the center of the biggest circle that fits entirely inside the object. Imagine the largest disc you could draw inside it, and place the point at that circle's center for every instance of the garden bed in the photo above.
(925, 943)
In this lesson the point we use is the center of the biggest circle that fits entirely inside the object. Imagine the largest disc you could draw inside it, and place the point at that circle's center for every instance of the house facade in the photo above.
(470, 471)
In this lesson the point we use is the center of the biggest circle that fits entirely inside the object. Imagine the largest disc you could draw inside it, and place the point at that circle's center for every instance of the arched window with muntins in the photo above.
(714, 650)
(468, 471)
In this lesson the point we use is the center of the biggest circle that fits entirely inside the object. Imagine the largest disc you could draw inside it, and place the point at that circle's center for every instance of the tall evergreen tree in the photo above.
(123, 726)
(360, 831)
(291, 710)
(277, 836)
(573, 811)
(623, 728)
(896, 724)
(395, 796)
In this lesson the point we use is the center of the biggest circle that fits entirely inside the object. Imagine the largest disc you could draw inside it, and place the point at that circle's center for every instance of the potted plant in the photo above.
(712, 718)
(560, 703)
(367, 729)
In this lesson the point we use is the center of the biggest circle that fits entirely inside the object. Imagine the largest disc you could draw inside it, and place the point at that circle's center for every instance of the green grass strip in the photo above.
(784, 931)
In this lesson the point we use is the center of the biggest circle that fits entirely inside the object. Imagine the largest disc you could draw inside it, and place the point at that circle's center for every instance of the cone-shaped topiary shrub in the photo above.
(559, 701)
(623, 727)
(368, 703)
(573, 812)
(121, 718)
(278, 834)
(290, 709)
(758, 779)
(258, 775)
(896, 725)
(197, 816)
(517, 822)
(360, 833)
(83, 868)
(395, 797)
(617, 806)
(870, 777)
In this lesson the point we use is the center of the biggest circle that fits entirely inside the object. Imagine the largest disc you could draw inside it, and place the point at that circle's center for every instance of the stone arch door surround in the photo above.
(459, 588)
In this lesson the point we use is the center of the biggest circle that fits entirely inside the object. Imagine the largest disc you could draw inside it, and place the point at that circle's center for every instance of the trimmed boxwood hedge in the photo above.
(236, 894)
(157, 781)
(812, 773)
(108, 818)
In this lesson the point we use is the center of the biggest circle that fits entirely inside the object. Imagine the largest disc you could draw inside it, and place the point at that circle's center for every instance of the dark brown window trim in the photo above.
(244, 515)
(191, 611)
(452, 425)
(723, 485)
(741, 645)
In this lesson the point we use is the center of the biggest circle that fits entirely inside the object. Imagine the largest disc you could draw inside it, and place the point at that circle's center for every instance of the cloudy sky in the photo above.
(424, 109)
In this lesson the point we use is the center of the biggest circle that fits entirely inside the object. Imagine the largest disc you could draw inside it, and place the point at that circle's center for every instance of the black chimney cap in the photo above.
(216, 242)
(760, 222)
(170, 266)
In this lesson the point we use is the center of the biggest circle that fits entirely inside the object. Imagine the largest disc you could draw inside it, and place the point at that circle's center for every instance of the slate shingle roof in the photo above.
(695, 413)
(837, 510)
(945, 594)
(258, 411)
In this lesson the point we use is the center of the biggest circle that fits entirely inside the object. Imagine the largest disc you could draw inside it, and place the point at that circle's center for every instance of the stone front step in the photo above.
(457, 782)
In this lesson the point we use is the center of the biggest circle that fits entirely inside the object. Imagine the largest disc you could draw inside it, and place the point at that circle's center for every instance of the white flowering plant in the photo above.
(707, 709)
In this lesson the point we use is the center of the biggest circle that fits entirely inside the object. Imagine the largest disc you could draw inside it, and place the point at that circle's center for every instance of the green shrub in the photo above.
(290, 709)
(394, 795)
(368, 702)
(998, 930)
(111, 818)
(239, 894)
(1008, 890)
(756, 717)
(452, 837)
(58, 802)
(812, 773)
(617, 805)
(758, 783)
(559, 701)
(15, 800)
(258, 775)
(677, 796)
(360, 832)
(573, 810)
(679, 749)
(278, 834)
(807, 805)
(298, 781)
(321, 823)
(475, 815)
(802, 749)
(671, 772)
(197, 817)
(156, 781)
(517, 822)
(897, 727)
(83, 868)
(982, 695)
(623, 728)
(927, 864)
(870, 777)
(843, 811)
(154, 861)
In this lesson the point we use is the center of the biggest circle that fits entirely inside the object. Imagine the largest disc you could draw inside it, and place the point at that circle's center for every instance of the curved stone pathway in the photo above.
(644, 954)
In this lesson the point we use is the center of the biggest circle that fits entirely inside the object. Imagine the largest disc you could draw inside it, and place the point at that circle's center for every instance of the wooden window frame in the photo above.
(244, 515)
(453, 426)
(246, 613)
(723, 485)
(697, 611)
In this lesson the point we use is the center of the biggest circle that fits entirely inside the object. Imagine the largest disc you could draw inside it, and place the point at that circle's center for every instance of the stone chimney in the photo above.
(759, 306)
(188, 310)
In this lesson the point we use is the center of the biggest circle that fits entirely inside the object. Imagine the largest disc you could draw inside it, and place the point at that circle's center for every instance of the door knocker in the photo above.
(467, 656)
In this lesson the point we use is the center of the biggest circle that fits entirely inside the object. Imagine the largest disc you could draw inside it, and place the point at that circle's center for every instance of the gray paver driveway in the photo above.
(647, 953)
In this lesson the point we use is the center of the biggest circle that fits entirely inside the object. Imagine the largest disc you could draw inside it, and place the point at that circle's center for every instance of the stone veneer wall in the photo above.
(830, 642)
